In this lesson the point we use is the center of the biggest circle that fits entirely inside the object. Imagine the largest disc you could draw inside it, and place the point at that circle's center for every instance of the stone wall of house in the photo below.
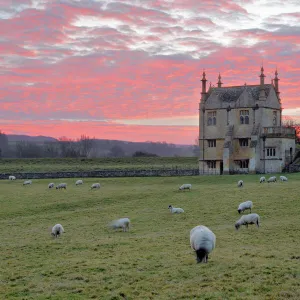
(105, 174)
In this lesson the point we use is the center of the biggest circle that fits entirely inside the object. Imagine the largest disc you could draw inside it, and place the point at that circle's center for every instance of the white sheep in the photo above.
(51, 185)
(26, 182)
(202, 241)
(248, 219)
(186, 186)
(175, 210)
(95, 186)
(61, 186)
(240, 183)
(283, 178)
(262, 179)
(272, 179)
(78, 182)
(120, 223)
(57, 230)
(11, 177)
(245, 205)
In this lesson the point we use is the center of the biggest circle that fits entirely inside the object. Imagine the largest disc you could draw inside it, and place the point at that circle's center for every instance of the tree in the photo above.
(86, 145)
(196, 148)
(26, 149)
(292, 123)
(143, 154)
(68, 147)
(3, 143)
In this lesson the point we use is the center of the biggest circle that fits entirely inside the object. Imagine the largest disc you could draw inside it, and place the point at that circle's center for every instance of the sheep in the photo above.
(272, 179)
(202, 241)
(51, 185)
(262, 179)
(78, 182)
(120, 223)
(245, 205)
(240, 183)
(61, 186)
(11, 177)
(95, 186)
(57, 230)
(186, 186)
(175, 210)
(283, 178)
(26, 182)
(248, 219)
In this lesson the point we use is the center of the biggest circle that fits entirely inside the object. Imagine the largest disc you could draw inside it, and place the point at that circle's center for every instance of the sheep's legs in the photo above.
(257, 224)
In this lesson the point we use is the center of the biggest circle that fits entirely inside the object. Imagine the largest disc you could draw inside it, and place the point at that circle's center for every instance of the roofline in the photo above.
(235, 86)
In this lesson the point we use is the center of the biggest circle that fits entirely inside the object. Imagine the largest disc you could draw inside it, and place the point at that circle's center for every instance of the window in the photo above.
(271, 152)
(274, 117)
(244, 164)
(212, 118)
(243, 142)
(212, 143)
(211, 164)
(244, 116)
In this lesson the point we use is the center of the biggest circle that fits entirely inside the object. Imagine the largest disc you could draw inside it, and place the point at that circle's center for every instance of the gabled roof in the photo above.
(232, 93)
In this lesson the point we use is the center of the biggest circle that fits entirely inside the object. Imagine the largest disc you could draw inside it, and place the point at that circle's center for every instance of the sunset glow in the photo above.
(131, 70)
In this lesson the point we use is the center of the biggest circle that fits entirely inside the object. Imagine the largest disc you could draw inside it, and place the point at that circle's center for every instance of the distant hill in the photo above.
(12, 138)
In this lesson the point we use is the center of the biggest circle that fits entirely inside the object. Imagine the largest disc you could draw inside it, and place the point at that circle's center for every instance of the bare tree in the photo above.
(3, 143)
(68, 147)
(196, 148)
(86, 145)
(292, 123)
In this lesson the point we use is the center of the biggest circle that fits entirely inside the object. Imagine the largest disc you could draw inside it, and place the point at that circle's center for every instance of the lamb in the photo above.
(26, 182)
(248, 219)
(78, 182)
(262, 179)
(283, 178)
(95, 186)
(175, 210)
(121, 223)
(272, 179)
(11, 177)
(57, 230)
(245, 205)
(186, 186)
(203, 241)
(51, 185)
(61, 186)
(240, 183)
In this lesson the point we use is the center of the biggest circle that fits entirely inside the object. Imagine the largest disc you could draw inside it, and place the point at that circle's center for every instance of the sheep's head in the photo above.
(170, 206)
(239, 210)
(237, 226)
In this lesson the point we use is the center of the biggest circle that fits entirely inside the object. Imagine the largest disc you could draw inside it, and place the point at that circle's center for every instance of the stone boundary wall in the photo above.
(294, 168)
(105, 173)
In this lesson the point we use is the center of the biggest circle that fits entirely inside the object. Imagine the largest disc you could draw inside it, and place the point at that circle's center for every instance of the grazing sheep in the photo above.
(51, 185)
(262, 179)
(186, 186)
(240, 183)
(283, 178)
(95, 186)
(175, 210)
(121, 223)
(26, 182)
(245, 205)
(11, 177)
(248, 219)
(61, 186)
(78, 182)
(272, 179)
(57, 230)
(203, 241)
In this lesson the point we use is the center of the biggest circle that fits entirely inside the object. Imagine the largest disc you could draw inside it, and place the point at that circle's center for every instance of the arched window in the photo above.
(209, 121)
(244, 116)
(214, 120)
(246, 119)
(274, 117)
(241, 119)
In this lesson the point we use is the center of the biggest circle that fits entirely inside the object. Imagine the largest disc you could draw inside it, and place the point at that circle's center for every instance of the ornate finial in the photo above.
(210, 84)
(276, 73)
(219, 81)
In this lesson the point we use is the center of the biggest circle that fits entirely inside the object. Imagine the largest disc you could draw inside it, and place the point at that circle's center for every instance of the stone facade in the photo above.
(240, 129)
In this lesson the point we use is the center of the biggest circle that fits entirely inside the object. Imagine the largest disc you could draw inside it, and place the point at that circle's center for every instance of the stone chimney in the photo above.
(262, 93)
(203, 93)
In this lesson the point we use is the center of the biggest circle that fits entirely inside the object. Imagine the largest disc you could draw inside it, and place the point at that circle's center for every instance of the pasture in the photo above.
(11, 165)
(154, 259)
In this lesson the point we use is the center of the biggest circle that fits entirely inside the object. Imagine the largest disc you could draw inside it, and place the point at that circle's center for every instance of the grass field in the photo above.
(84, 164)
(154, 259)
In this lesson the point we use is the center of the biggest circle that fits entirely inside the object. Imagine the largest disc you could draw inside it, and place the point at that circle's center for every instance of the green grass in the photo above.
(85, 164)
(154, 259)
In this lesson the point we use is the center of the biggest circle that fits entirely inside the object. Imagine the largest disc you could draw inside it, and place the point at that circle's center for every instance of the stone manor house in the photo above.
(240, 129)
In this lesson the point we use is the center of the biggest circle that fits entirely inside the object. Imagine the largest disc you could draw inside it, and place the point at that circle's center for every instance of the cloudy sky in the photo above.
(131, 69)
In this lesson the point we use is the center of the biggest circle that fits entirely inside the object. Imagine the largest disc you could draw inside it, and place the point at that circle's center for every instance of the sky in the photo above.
(131, 69)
